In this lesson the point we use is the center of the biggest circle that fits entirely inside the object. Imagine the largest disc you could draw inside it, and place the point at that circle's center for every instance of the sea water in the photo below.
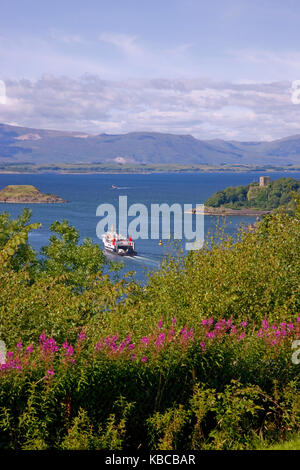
(85, 193)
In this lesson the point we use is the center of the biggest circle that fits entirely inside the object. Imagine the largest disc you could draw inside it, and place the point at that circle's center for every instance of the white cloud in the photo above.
(204, 108)
(124, 42)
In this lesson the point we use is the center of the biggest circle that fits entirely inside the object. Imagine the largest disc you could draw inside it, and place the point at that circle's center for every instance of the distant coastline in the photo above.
(90, 168)
(229, 212)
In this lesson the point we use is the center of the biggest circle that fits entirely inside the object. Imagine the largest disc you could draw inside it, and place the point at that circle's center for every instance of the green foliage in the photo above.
(276, 193)
(14, 240)
(184, 383)
(64, 255)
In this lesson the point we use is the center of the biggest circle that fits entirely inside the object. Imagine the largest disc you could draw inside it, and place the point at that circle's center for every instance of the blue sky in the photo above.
(187, 58)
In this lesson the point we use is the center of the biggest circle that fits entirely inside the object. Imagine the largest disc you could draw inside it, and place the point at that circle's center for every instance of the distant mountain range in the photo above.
(40, 146)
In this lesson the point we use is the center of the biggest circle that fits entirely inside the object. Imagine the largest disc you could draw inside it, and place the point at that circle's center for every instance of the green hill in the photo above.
(252, 196)
(26, 193)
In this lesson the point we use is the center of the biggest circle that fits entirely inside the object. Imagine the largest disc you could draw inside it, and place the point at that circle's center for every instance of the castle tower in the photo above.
(264, 180)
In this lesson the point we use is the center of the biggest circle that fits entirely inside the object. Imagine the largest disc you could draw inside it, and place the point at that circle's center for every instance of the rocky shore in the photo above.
(225, 211)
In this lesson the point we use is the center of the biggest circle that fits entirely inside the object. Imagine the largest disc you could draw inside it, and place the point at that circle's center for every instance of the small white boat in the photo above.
(116, 243)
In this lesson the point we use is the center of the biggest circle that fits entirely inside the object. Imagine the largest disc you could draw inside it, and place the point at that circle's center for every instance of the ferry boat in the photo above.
(116, 243)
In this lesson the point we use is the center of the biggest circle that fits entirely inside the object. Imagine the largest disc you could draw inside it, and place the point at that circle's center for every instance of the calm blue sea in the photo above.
(86, 192)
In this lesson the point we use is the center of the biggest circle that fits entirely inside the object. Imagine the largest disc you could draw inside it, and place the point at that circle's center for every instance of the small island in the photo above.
(26, 193)
(254, 199)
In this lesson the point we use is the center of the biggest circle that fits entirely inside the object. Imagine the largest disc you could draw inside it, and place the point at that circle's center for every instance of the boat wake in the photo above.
(143, 259)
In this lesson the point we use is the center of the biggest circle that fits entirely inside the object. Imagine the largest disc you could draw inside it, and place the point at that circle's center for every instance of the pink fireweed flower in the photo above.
(69, 350)
(229, 323)
(210, 321)
(204, 322)
(160, 324)
(260, 333)
(50, 372)
(233, 330)
(29, 348)
(48, 344)
(242, 336)
(211, 334)
(127, 339)
(9, 355)
(174, 320)
(160, 339)
(131, 346)
(122, 346)
(82, 335)
(202, 344)
(43, 337)
(144, 359)
(145, 340)
(274, 342)
(98, 346)
(283, 324)
(133, 356)
(274, 327)
(244, 324)
(171, 332)
(265, 324)
(19, 345)
(290, 326)
(190, 333)
(298, 319)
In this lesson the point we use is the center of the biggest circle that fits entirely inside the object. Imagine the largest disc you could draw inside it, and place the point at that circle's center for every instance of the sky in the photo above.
(218, 69)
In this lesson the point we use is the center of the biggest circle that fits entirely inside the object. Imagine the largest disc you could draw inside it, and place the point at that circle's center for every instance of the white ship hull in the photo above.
(115, 243)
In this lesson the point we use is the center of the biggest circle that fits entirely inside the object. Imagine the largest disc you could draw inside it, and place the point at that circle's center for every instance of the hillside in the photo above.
(252, 196)
(27, 194)
(21, 144)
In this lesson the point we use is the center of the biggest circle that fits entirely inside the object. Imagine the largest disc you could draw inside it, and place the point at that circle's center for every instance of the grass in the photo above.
(292, 444)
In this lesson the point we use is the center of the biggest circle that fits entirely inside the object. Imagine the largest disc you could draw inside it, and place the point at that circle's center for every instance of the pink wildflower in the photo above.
(174, 320)
(242, 336)
(260, 333)
(29, 348)
(82, 335)
(144, 359)
(145, 340)
(244, 324)
(160, 339)
(131, 346)
(99, 346)
(210, 334)
(19, 345)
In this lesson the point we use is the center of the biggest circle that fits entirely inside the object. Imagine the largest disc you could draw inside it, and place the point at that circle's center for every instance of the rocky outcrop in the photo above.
(21, 194)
